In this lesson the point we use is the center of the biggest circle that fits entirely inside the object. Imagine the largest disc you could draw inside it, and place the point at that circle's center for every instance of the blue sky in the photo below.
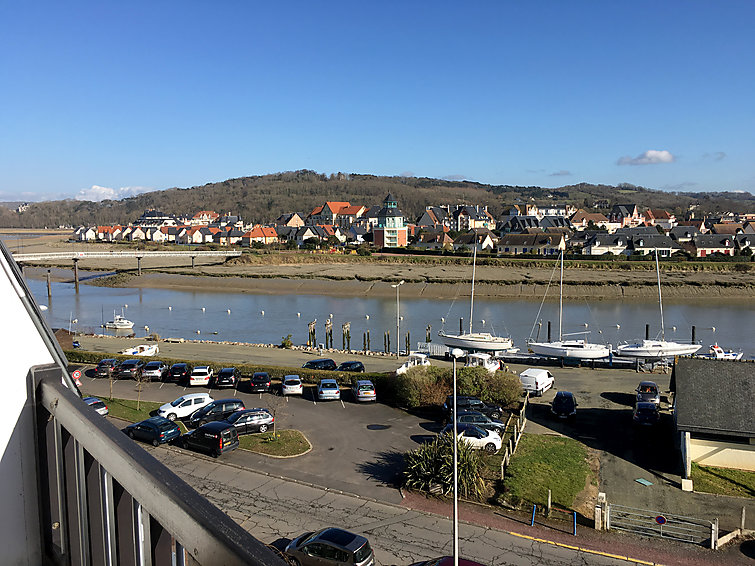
(108, 99)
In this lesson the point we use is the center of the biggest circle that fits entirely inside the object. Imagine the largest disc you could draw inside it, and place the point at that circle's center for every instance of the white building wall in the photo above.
(722, 454)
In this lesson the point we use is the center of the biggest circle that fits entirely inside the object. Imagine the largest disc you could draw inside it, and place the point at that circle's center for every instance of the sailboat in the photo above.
(658, 349)
(576, 349)
(475, 341)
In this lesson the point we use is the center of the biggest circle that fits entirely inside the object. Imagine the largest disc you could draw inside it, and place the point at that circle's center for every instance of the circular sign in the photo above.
(76, 374)
(660, 519)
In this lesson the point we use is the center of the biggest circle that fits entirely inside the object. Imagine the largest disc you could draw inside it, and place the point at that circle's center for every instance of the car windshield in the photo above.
(153, 365)
(235, 416)
(292, 382)
(164, 427)
(366, 388)
(200, 371)
(362, 553)
(646, 411)
(177, 402)
(647, 389)
(562, 402)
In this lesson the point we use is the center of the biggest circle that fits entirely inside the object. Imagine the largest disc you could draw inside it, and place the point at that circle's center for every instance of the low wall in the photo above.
(722, 454)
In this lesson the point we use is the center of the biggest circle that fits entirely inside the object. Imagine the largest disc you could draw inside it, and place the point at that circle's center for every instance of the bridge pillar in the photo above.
(138, 265)
(76, 274)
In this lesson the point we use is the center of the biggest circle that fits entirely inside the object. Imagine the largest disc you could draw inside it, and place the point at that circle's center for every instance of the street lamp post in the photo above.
(398, 320)
(456, 353)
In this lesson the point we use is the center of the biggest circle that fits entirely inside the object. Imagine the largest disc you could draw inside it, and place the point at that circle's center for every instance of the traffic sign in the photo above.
(76, 374)
(660, 519)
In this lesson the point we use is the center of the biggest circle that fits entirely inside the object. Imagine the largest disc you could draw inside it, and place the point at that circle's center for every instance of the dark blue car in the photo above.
(157, 430)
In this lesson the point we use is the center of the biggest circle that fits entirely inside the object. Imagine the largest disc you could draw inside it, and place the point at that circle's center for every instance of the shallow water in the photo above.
(269, 318)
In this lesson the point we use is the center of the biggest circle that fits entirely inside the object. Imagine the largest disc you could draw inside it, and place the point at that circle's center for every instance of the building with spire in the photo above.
(390, 232)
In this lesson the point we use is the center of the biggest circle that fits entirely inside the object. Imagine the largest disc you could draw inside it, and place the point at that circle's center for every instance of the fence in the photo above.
(659, 524)
(513, 442)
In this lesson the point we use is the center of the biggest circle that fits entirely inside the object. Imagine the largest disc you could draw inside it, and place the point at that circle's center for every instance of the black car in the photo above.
(251, 420)
(483, 421)
(646, 413)
(324, 363)
(214, 438)
(129, 369)
(227, 377)
(351, 366)
(179, 372)
(564, 405)
(259, 382)
(105, 367)
(467, 403)
(216, 411)
(156, 430)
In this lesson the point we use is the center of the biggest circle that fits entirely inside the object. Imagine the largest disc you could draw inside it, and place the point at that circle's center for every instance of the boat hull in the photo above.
(481, 341)
(576, 349)
(657, 349)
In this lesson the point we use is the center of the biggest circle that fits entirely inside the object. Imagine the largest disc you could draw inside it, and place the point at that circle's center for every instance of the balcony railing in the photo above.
(104, 500)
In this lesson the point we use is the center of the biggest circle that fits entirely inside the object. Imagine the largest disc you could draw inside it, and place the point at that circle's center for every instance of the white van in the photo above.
(536, 381)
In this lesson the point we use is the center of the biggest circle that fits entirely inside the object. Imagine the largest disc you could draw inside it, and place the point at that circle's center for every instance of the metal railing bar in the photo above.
(144, 534)
(95, 510)
(214, 537)
(81, 497)
(71, 494)
(109, 516)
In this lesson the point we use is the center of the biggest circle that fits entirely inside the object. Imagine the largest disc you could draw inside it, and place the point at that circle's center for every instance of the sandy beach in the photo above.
(340, 275)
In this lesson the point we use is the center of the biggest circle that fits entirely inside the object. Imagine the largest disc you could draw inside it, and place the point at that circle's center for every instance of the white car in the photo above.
(478, 438)
(364, 390)
(291, 385)
(184, 406)
(200, 375)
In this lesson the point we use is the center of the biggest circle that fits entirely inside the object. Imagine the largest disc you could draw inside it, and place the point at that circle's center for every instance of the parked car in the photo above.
(364, 390)
(216, 411)
(155, 370)
(328, 390)
(648, 392)
(447, 561)
(248, 421)
(105, 367)
(477, 438)
(179, 372)
(129, 369)
(330, 546)
(200, 375)
(564, 405)
(97, 404)
(646, 414)
(215, 438)
(467, 403)
(324, 363)
(351, 366)
(483, 421)
(156, 430)
(536, 381)
(227, 377)
(184, 406)
(259, 382)
(291, 385)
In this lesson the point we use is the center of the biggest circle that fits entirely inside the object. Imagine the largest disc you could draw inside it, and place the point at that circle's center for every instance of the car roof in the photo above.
(227, 369)
(342, 538)
(648, 384)
(158, 420)
(90, 400)
(201, 367)
(193, 395)
(564, 394)
(108, 360)
(476, 413)
(328, 380)
(227, 400)
(155, 363)
(646, 405)
(131, 361)
(364, 382)
(180, 364)
(215, 426)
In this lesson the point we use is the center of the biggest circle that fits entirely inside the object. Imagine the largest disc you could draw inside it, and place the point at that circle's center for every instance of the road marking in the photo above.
(342, 405)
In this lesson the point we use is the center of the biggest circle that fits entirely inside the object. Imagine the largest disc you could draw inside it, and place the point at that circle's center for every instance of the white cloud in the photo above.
(562, 173)
(454, 178)
(97, 193)
(650, 157)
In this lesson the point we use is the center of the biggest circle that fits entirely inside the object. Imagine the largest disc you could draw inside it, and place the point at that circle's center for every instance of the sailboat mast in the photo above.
(471, 302)
(660, 299)
(561, 298)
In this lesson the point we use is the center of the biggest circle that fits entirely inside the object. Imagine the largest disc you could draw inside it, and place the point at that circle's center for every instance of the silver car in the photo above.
(648, 392)
(330, 546)
(328, 390)
(97, 404)
(291, 385)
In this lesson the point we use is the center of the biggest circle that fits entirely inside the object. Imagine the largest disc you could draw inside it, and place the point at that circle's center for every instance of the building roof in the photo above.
(713, 241)
(714, 396)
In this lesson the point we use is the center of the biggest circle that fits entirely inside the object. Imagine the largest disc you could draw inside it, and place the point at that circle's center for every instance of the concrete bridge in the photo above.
(76, 256)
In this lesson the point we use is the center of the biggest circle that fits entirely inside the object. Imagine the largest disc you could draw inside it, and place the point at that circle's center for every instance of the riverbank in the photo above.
(425, 277)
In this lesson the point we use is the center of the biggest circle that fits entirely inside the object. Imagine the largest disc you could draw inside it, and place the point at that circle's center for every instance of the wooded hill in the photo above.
(263, 198)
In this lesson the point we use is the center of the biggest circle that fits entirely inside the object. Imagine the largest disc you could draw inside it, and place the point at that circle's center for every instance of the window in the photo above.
(198, 400)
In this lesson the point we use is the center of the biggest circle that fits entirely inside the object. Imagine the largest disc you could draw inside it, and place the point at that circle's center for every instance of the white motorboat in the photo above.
(141, 350)
(716, 352)
(574, 349)
(119, 322)
(657, 349)
(484, 361)
(475, 341)
(415, 360)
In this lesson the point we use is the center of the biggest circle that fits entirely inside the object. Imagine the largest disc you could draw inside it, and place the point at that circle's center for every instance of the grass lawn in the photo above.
(126, 409)
(288, 443)
(546, 462)
(723, 481)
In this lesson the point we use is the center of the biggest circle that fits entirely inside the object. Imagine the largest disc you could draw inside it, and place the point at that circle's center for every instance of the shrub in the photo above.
(432, 463)
(423, 386)
(286, 342)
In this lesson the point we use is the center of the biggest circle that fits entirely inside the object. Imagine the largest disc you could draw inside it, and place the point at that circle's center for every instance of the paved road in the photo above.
(275, 510)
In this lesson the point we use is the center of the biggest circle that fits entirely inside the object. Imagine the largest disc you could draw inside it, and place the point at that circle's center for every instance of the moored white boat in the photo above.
(716, 352)
(483, 360)
(141, 350)
(415, 360)
(475, 341)
(119, 322)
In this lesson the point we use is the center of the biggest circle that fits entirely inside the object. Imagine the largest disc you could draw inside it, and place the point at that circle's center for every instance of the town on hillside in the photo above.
(529, 229)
